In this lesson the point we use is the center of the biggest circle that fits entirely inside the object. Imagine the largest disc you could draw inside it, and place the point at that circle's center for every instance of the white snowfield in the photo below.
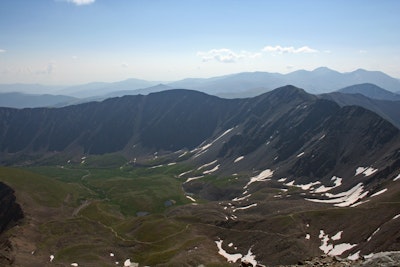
(331, 249)
(263, 176)
(397, 178)
(233, 258)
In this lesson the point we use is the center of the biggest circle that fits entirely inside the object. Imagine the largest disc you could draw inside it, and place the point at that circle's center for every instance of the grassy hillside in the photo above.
(81, 214)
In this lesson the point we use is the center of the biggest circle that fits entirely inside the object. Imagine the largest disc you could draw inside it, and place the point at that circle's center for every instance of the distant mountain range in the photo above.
(241, 85)
(320, 80)
(21, 100)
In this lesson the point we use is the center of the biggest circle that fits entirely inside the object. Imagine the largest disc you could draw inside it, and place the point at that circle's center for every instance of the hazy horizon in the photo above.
(72, 42)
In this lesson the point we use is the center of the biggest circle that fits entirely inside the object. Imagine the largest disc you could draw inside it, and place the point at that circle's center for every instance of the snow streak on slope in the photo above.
(344, 199)
(263, 176)
(239, 159)
(204, 148)
(207, 164)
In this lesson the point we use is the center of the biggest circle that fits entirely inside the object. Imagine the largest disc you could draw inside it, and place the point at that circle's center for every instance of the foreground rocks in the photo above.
(382, 259)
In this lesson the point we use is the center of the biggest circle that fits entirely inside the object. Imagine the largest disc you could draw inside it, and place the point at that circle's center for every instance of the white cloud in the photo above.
(362, 51)
(81, 2)
(225, 55)
(124, 65)
(289, 49)
(2, 51)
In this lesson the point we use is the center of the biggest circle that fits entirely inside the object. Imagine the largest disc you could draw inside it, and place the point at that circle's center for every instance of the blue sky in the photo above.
(70, 42)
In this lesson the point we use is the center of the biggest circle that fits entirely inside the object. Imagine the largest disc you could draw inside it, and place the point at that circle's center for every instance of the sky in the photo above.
(69, 42)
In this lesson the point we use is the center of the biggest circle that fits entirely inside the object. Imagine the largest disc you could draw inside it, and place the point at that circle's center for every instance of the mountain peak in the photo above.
(323, 70)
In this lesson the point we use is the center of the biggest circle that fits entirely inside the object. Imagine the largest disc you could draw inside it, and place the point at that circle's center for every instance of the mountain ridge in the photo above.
(267, 174)
(371, 91)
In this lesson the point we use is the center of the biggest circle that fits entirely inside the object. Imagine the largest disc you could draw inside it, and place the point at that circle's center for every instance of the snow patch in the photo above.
(322, 189)
(241, 198)
(212, 170)
(344, 199)
(192, 199)
(51, 258)
(340, 248)
(379, 192)
(367, 171)
(203, 149)
(337, 236)
(246, 207)
(128, 263)
(282, 180)
(229, 257)
(183, 154)
(184, 173)
(308, 236)
(249, 258)
(74, 264)
(299, 155)
(397, 178)
(376, 231)
(306, 187)
(158, 166)
(330, 249)
(207, 164)
(290, 183)
(193, 178)
(263, 176)
(396, 217)
(238, 159)
(354, 256)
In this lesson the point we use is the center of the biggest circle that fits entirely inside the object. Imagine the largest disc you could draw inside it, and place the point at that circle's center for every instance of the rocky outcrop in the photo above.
(10, 211)
(10, 214)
